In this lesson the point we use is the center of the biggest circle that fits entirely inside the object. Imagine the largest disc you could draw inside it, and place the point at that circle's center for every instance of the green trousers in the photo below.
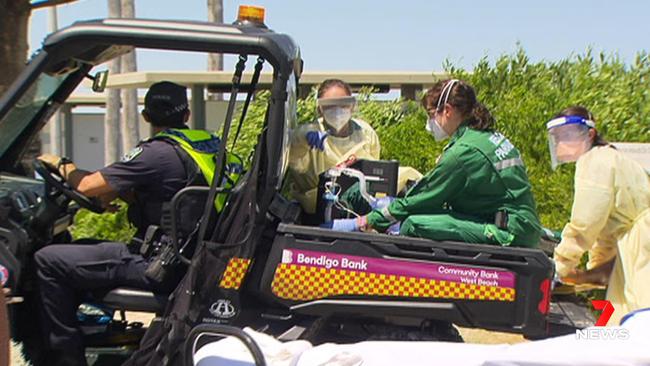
(454, 227)
(353, 199)
(439, 226)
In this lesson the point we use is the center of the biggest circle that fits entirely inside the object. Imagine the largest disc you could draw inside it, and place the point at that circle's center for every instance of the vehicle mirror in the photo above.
(99, 81)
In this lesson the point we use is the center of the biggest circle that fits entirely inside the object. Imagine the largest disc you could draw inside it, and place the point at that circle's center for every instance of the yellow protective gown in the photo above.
(611, 218)
(306, 164)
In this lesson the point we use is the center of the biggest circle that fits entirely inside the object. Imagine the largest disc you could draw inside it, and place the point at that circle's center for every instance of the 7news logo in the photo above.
(600, 331)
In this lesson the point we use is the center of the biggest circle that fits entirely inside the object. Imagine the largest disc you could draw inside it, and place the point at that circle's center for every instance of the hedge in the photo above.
(522, 95)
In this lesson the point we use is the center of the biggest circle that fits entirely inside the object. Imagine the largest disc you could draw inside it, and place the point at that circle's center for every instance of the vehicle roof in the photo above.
(87, 40)
(74, 50)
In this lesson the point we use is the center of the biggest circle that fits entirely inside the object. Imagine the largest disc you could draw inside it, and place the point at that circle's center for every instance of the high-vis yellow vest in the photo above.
(202, 147)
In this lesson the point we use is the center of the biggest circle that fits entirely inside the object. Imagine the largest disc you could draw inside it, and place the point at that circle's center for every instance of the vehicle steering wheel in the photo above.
(53, 179)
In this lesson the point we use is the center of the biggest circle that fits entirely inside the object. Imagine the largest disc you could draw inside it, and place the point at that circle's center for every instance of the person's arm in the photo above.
(90, 184)
(439, 186)
(603, 251)
(142, 170)
(375, 146)
(299, 157)
(592, 205)
(4, 331)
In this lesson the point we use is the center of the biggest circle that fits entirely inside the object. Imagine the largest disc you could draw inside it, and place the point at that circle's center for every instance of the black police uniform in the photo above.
(154, 172)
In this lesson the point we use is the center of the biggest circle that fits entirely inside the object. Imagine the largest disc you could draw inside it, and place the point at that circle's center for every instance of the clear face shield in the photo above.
(336, 111)
(568, 139)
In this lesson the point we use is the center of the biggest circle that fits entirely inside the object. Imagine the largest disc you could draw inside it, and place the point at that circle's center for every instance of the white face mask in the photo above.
(337, 117)
(434, 128)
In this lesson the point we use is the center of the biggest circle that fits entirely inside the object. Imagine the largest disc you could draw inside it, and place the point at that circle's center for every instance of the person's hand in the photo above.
(316, 139)
(52, 161)
(64, 166)
(347, 225)
(563, 265)
(380, 203)
(594, 276)
(394, 229)
(108, 202)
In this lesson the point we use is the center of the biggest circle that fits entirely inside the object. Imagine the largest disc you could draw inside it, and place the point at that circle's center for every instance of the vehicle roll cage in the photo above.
(76, 49)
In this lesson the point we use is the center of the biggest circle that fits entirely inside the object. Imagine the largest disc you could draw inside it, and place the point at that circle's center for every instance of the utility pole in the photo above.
(130, 118)
(113, 102)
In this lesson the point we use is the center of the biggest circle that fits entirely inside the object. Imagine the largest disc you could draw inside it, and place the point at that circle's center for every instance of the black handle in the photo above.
(221, 330)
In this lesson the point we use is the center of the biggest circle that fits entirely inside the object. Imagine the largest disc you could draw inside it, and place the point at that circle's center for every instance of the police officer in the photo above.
(148, 176)
(479, 190)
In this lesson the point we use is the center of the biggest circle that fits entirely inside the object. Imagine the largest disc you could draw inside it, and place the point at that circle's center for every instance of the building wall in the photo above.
(88, 133)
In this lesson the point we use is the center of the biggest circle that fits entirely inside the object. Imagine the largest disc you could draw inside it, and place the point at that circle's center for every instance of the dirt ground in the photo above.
(487, 337)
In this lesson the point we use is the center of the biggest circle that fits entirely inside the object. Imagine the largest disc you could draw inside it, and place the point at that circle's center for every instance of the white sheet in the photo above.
(626, 345)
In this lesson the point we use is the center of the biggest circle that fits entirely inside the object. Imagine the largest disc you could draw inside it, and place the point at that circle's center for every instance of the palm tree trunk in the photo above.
(215, 60)
(130, 117)
(14, 22)
(113, 101)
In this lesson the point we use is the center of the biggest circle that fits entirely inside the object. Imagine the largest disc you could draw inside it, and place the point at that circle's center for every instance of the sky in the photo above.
(406, 35)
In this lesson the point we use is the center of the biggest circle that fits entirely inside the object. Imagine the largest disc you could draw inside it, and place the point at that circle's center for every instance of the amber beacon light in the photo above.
(251, 15)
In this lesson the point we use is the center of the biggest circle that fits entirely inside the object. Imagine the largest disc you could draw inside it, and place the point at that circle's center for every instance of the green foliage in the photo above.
(252, 127)
(109, 226)
(521, 95)
(400, 127)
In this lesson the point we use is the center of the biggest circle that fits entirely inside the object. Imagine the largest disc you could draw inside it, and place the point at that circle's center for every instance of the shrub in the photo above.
(521, 95)
(108, 226)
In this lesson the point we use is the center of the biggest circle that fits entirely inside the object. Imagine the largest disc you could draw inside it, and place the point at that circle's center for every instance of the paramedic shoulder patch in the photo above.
(132, 154)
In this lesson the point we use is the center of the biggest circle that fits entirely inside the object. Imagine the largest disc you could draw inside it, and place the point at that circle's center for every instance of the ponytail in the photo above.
(463, 97)
(580, 111)
(600, 141)
(481, 118)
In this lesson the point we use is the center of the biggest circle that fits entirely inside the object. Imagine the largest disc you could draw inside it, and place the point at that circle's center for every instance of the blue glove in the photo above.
(316, 139)
(345, 225)
(394, 229)
(380, 203)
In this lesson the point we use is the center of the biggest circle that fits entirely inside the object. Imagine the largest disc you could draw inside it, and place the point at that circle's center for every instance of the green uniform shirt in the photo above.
(478, 174)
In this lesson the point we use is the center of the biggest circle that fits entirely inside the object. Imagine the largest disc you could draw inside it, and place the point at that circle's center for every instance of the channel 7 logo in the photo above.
(606, 307)
(606, 333)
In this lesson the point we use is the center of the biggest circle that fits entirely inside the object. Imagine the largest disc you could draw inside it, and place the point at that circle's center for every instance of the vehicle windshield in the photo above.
(27, 107)
(290, 119)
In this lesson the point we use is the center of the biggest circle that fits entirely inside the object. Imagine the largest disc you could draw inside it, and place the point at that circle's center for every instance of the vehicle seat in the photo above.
(132, 299)
(187, 205)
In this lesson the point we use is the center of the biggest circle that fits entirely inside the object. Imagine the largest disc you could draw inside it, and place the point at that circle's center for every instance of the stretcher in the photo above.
(624, 345)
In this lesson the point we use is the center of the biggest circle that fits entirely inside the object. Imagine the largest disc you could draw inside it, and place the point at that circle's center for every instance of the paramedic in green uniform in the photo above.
(478, 191)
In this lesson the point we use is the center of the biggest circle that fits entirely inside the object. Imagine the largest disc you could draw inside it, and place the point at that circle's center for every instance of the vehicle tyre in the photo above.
(326, 330)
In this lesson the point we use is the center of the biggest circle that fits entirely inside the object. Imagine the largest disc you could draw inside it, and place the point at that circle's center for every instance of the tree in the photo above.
(14, 21)
(215, 60)
(130, 126)
(113, 102)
